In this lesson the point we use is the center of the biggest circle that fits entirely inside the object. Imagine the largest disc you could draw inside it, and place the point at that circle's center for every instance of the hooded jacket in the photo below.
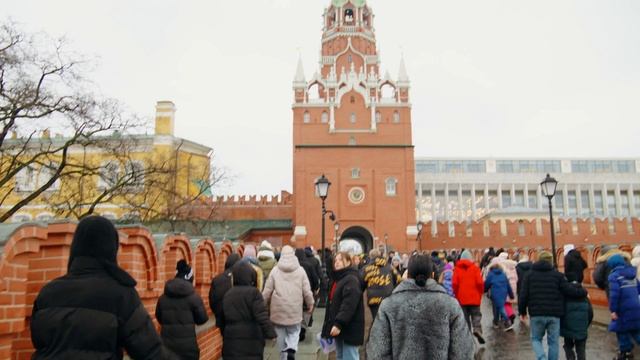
(602, 270)
(246, 321)
(219, 287)
(420, 323)
(286, 290)
(178, 310)
(266, 258)
(623, 296)
(635, 260)
(379, 280)
(468, 285)
(314, 280)
(509, 268)
(499, 285)
(446, 278)
(578, 315)
(543, 291)
(345, 310)
(93, 311)
(575, 264)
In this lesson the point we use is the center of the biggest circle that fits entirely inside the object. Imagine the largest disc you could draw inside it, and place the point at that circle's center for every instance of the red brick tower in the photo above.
(353, 125)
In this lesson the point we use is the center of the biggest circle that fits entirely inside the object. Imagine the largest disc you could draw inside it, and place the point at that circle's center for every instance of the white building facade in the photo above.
(464, 189)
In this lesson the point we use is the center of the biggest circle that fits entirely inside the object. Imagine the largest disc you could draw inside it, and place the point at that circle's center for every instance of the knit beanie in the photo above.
(545, 256)
(615, 261)
(266, 250)
(504, 255)
(184, 271)
(568, 248)
(249, 252)
(466, 255)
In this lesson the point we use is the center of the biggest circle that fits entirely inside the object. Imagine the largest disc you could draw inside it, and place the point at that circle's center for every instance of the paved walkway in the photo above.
(500, 345)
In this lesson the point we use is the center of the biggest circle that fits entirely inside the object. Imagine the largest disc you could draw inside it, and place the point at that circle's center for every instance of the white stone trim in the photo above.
(300, 230)
(412, 230)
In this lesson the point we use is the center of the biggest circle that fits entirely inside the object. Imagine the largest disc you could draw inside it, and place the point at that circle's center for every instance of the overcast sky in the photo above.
(489, 78)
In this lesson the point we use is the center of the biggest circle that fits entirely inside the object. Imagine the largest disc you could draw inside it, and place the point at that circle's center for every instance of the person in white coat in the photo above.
(285, 291)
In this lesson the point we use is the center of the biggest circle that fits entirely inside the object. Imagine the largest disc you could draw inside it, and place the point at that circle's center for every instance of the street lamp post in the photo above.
(549, 186)
(419, 226)
(322, 190)
(386, 244)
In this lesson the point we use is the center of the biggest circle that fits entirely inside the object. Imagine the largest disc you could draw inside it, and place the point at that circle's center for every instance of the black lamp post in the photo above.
(386, 244)
(322, 190)
(549, 186)
(419, 226)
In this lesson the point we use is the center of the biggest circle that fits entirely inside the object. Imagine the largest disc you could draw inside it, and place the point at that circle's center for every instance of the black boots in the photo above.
(291, 354)
(624, 356)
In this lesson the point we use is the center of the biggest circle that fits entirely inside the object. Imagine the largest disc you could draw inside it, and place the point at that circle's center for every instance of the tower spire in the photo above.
(299, 78)
(403, 77)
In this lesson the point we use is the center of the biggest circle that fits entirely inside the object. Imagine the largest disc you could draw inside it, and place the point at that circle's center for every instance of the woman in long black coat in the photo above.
(344, 317)
(246, 321)
(575, 264)
(179, 309)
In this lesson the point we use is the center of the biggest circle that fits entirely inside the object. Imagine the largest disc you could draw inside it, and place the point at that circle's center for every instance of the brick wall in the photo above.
(34, 254)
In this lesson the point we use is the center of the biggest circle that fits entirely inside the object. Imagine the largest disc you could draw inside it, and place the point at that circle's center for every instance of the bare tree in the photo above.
(43, 88)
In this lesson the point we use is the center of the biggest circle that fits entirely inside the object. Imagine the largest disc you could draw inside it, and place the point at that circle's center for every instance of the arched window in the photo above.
(352, 140)
(325, 117)
(378, 117)
(109, 174)
(396, 117)
(306, 117)
(387, 91)
(44, 217)
(20, 218)
(348, 16)
(390, 186)
(352, 118)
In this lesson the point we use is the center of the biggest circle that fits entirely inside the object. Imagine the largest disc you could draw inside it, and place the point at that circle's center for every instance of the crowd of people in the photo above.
(423, 305)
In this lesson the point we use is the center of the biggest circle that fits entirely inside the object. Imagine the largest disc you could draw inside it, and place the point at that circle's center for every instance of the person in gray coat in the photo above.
(420, 321)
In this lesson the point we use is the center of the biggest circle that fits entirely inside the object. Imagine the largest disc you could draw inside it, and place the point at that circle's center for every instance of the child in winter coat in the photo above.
(500, 288)
(574, 325)
(446, 278)
(624, 305)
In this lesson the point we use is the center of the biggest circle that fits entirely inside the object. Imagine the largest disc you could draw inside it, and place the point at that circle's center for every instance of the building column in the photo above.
(374, 125)
(460, 212)
(592, 201)
(486, 198)
(434, 216)
(632, 202)
(526, 195)
(513, 195)
(332, 118)
(605, 201)
(499, 196)
(618, 200)
(473, 202)
(578, 201)
(419, 197)
(446, 202)
(540, 197)
(565, 200)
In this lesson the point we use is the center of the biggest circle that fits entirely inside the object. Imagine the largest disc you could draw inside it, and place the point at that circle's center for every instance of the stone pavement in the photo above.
(500, 345)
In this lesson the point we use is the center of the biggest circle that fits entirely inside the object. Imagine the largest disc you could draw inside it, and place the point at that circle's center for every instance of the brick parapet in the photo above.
(34, 254)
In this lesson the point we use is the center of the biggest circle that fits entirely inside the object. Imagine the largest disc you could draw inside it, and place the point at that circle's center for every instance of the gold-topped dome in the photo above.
(357, 3)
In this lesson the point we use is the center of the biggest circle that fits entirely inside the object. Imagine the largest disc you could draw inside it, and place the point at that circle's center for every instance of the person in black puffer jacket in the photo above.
(314, 281)
(315, 263)
(219, 287)
(178, 310)
(344, 317)
(246, 321)
(542, 296)
(574, 325)
(574, 264)
(378, 279)
(522, 269)
(94, 311)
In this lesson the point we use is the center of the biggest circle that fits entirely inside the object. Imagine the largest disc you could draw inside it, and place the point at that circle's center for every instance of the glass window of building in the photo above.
(428, 166)
(636, 202)
(528, 166)
(519, 200)
(325, 117)
(603, 166)
(504, 166)
(624, 203)
(506, 199)
(390, 185)
(306, 117)
(598, 202)
(572, 202)
(586, 206)
(352, 118)
(355, 173)
(611, 203)
(378, 117)
(453, 167)
(493, 200)
(559, 202)
(533, 199)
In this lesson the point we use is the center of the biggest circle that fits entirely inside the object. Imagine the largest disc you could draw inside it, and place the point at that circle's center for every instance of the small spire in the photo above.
(299, 71)
(402, 72)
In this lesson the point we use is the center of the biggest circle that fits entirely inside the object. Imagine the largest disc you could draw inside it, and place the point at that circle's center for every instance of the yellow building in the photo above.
(121, 176)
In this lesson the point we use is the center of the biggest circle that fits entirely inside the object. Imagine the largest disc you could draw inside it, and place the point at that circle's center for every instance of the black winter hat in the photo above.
(95, 237)
(183, 270)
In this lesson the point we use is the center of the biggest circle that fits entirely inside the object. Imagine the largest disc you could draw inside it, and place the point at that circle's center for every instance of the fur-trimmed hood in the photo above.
(610, 253)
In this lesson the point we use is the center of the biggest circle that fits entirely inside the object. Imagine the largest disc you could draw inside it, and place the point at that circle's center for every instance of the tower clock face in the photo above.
(356, 195)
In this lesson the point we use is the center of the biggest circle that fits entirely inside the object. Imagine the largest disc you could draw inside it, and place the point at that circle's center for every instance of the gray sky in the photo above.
(489, 78)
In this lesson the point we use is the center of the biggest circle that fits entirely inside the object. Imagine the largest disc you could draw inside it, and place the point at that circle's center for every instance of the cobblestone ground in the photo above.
(500, 345)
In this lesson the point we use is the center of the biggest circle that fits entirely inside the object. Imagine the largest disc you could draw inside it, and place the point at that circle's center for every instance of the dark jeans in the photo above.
(473, 316)
(625, 340)
(374, 311)
(499, 312)
(579, 345)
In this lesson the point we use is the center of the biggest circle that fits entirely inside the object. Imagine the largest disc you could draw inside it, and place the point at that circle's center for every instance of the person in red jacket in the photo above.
(468, 287)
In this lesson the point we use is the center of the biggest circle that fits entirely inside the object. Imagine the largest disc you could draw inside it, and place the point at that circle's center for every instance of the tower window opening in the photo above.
(352, 99)
(348, 15)
(378, 117)
(325, 117)
(353, 118)
(350, 59)
(396, 117)
(306, 118)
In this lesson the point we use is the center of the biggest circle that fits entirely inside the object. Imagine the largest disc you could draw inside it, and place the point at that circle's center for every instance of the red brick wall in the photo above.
(33, 255)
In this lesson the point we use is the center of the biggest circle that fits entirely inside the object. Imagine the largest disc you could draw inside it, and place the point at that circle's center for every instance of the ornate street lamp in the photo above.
(419, 226)
(386, 244)
(549, 186)
(322, 190)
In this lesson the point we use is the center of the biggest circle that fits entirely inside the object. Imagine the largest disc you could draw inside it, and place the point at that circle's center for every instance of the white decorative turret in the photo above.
(299, 81)
(403, 78)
